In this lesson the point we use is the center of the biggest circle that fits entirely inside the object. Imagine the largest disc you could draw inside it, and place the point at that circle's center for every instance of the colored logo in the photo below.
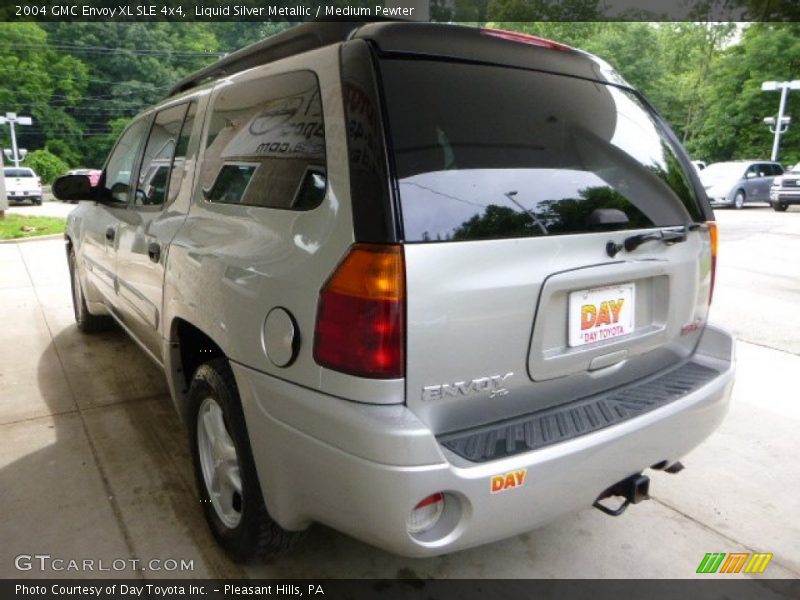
(735, 562)
(606, 314)
(507, 481)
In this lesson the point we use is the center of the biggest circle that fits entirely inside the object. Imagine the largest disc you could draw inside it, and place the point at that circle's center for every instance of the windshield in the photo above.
(14, 172)
(486, 152)
(723, 170)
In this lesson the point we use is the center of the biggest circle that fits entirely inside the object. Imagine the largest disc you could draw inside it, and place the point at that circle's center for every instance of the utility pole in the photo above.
(3, 197)
(782, 123)
(12, 119)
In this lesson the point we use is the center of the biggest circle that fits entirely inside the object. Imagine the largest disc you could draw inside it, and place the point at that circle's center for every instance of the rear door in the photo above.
(149, 226)
(100, 226)
(512, 186)
(763, 182)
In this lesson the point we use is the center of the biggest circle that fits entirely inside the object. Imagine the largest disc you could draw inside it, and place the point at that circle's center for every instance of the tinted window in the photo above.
(18, 173)
(119, 168)
(181, 154)
(263, 138)
(231, 183)
(158, 155)
(486, 152)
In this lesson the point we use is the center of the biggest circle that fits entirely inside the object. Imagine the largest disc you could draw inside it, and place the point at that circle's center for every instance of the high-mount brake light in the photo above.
(525, 38)
(361, 314)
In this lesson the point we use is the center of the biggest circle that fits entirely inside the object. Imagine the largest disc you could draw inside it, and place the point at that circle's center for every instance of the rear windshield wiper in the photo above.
(668, 236)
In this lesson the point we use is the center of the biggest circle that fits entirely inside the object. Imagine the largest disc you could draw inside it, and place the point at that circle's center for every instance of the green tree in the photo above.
(131, 67)
(689, 52)
(732, 126)
(38, 81)
(47, 165)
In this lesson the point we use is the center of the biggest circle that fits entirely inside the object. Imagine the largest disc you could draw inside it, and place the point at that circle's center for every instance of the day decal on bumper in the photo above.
(507, 481)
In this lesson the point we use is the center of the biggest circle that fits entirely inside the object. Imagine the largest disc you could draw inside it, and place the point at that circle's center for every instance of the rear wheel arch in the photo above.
(190, 348)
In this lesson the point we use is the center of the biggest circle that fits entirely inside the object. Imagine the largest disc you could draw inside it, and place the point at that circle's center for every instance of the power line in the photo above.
(73, 48)
(9, 73)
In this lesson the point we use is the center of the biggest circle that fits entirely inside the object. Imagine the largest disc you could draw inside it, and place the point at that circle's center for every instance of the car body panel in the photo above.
(349, 483)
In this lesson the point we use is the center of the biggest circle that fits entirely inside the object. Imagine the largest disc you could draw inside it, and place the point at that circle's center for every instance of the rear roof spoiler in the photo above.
(301, 38)
(393, 37)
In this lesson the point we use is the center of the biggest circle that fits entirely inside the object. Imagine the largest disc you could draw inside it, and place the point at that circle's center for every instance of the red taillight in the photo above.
(712, 233)
(525, 38)
(361, 314)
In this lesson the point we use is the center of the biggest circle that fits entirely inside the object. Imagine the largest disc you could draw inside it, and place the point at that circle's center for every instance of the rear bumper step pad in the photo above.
(561, 423)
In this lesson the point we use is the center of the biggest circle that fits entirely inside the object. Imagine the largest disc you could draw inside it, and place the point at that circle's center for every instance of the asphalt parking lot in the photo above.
(94, 463)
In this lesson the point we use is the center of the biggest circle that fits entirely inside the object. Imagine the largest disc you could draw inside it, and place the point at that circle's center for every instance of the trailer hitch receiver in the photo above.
(634, 489)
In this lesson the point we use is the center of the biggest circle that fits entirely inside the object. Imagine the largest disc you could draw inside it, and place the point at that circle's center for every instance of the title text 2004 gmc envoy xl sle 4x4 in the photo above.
(429, 285)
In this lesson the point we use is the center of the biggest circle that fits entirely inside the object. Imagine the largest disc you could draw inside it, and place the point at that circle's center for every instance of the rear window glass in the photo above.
(264, 137)
(18, 173)
(485, 152)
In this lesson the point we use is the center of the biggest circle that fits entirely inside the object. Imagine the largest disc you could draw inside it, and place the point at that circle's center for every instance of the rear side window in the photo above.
(486, 152)
(18, 173)
(265, 137)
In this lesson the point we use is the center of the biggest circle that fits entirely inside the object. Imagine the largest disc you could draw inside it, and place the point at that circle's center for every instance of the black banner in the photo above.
(404, 589)
(480, 11)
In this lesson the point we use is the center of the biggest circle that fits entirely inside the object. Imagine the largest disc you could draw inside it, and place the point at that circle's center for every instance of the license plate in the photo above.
(601, 313)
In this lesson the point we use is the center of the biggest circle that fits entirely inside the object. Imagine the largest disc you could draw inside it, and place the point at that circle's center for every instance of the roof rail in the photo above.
(282, 45)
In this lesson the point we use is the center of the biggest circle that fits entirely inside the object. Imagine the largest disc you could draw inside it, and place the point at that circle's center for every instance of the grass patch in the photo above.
(15, 227)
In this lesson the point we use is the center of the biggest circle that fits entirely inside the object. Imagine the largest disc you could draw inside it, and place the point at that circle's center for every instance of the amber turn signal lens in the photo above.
(361, 314)
(713, 236)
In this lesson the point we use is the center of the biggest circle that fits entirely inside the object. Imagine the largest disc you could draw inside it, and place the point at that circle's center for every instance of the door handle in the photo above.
(154, 251)
(111, 233)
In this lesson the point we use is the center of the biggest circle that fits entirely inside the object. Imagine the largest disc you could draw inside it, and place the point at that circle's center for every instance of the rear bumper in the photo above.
(362, 468)
(783, 197)
(720, 202)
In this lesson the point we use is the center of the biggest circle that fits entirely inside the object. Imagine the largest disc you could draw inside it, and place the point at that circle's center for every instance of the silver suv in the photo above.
(430, 285)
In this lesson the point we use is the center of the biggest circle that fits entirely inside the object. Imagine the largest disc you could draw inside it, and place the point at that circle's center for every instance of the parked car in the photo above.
(23, 184)
(739, 182)
(428, 324)
(785, 189)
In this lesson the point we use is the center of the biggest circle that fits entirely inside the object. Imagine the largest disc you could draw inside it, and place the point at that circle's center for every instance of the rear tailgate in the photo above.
(512, 184)
(21, 182)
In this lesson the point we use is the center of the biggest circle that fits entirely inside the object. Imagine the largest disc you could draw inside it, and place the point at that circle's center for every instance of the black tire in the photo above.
(86, 322)
(779, 206)
(37, 202)
(739, 199)
(255, 536)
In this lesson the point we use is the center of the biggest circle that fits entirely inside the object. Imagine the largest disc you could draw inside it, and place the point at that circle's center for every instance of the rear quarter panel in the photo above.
(229, 265)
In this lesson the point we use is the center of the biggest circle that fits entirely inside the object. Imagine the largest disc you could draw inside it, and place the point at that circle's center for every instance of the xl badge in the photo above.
(494, 385)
